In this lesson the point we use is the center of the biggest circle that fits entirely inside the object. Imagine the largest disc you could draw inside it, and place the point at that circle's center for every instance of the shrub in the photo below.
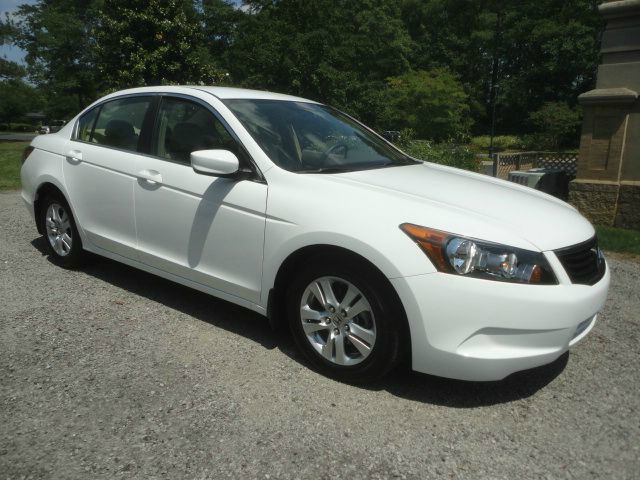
(531, 142)
(445, 154)
(500, 142)
(17, 127)
(556, 126)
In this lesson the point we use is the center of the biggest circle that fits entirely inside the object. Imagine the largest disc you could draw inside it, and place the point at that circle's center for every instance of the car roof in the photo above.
(231, 92)
(223, 93)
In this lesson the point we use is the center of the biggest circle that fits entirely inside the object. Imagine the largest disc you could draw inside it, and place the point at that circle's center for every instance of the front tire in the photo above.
(344, 320)
(61, 235)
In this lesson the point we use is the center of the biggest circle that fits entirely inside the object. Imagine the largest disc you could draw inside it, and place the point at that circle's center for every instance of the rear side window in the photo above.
(119, 123)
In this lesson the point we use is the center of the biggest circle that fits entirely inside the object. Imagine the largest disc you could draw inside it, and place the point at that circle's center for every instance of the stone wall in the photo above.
(628, 214)
(595, 200)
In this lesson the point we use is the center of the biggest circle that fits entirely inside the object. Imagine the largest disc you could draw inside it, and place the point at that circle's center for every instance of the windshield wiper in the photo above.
(357, 168)
(328, 170)
(406, 161)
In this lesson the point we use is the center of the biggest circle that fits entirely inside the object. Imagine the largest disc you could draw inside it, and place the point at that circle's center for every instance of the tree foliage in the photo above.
(535, 52)
(336, 51)
(8, 69)
(432, 103)
(57, 36)
(17, 99)
(16, 96)
(11, 70)
(152, 42)
(367, 57)
(556, 123)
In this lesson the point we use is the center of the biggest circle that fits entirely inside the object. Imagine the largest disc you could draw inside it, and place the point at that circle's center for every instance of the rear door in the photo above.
(100, 171)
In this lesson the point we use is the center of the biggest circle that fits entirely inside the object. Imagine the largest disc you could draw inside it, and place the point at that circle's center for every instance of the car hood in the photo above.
(474, 205)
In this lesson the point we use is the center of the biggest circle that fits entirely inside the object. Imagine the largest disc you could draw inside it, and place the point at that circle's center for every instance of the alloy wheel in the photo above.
(338, 321)
(59, 232)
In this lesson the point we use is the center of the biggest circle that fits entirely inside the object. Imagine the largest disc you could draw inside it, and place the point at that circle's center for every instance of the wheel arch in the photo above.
(44, 189)
(276, 311)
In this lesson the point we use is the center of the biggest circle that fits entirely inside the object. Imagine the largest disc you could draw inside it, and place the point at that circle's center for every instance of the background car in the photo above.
(51, 127)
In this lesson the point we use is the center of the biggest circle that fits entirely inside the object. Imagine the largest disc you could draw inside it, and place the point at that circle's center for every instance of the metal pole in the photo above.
(494, 89)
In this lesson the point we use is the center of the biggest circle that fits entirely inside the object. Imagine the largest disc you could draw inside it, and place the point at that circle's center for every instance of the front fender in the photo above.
(279, 247)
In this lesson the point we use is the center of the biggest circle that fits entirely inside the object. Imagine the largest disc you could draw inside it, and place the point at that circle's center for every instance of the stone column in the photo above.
(607, 186)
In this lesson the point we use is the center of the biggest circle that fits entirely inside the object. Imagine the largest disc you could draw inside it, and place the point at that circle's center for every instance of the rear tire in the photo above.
(60, 233)
(344, 319)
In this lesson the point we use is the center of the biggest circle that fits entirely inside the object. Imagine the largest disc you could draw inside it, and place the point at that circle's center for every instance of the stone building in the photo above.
(607, 187)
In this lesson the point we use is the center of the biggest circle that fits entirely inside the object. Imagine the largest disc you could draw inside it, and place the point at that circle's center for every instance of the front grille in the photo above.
(583, 262)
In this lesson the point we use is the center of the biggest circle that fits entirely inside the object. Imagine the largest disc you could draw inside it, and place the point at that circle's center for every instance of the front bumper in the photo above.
(482, 330)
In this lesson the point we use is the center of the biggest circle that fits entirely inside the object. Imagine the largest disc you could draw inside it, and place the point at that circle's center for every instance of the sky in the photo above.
(11, 52)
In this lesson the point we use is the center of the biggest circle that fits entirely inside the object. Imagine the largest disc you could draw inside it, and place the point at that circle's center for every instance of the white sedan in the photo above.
(299, 212)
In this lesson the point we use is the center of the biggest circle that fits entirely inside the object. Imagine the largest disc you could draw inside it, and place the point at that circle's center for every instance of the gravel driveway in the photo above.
(109, 373)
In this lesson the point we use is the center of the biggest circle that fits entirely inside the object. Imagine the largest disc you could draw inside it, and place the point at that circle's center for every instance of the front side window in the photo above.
(307, 137)
(183, 127)
(119, 123)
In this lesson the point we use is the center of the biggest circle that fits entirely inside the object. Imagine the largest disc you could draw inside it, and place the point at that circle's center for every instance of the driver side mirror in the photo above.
(217, 163)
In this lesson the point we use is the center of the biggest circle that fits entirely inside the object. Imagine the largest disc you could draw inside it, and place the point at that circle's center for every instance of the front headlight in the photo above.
(459, 255)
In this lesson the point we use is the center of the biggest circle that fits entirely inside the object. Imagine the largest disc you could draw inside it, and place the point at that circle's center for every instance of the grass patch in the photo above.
(10, 155)
(619, 239)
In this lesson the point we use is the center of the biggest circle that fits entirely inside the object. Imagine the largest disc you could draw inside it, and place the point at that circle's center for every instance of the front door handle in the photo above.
(151, 176)
(75, 155)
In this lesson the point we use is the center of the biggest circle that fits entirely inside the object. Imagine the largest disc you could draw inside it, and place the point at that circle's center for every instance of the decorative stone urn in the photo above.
(607, 187)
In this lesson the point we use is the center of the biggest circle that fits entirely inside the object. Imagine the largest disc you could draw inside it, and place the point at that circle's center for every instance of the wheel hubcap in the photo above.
(338, 321)
(58, 226)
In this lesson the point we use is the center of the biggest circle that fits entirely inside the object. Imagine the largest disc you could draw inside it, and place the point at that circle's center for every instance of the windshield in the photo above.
(307, 137)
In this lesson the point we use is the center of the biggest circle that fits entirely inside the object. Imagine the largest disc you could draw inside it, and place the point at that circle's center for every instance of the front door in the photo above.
(207, 229)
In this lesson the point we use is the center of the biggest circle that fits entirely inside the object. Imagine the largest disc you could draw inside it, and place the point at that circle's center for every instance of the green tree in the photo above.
(57, 36)
(431, 103)
(9, 69)
(535, 52)
(153, 42)
(16, 99)
(556, 125)
(220, 19)
(336, 51)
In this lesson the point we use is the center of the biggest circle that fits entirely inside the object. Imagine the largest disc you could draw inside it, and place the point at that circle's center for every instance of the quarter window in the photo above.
(184, 127)
(86, 123)
(119, 123)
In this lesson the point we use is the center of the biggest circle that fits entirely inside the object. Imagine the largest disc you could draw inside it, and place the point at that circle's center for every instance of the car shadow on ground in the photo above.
(419, 387)
(402, 383)
(186, 300)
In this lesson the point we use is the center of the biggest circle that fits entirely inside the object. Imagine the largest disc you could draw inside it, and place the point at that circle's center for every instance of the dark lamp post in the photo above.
(494, 94)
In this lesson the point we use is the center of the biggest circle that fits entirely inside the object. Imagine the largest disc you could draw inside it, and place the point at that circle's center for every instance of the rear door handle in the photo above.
(75, 155)
(151, 176)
